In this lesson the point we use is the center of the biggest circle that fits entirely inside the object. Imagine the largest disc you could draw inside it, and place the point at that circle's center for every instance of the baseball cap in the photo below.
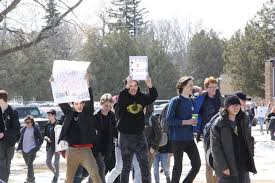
(241, 95)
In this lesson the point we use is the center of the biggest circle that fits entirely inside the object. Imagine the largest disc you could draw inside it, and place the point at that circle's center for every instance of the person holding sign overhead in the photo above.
(79, 131)
(131, 123)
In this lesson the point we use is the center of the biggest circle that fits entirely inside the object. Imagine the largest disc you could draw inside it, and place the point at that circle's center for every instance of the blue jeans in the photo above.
(79, 175)
(261, 122)
(101, 168)
(163, 159)
(53, 167)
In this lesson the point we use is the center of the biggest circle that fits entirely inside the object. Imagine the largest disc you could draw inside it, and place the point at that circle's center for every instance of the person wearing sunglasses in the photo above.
(29, 143)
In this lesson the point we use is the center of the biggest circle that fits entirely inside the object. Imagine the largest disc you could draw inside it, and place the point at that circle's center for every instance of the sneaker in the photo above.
(54, 179)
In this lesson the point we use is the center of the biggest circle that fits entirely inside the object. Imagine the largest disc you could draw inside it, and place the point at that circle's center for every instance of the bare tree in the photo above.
(24, 38)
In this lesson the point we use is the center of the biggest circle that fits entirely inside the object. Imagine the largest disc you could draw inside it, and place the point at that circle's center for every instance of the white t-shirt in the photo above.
(262, 110)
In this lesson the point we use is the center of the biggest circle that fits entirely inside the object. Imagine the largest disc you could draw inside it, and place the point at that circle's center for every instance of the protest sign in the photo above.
(138, 67)
(69, 83)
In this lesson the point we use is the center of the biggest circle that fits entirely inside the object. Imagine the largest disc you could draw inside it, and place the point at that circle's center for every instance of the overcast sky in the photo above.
(224, 16)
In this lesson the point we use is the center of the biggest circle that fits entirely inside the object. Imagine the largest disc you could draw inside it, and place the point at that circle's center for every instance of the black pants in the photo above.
(29, 159)
(190, 148)
(6, 155)
(129, 145)
(243, 177)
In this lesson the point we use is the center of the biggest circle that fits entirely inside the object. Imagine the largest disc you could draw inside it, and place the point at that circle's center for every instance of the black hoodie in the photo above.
(130, 110)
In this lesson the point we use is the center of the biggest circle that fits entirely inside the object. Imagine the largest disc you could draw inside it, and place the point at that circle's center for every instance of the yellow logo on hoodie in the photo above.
(134, 108)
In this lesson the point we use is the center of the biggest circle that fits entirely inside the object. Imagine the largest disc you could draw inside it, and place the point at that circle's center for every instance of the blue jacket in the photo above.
(37, 137)
(179, 109)
(197, 107)
(198, 103)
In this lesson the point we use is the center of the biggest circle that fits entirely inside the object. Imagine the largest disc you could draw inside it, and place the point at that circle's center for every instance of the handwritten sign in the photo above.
(69, 84)
(138, 67)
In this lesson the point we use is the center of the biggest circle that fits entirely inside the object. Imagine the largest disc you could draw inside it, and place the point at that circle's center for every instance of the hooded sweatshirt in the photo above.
(130, 110)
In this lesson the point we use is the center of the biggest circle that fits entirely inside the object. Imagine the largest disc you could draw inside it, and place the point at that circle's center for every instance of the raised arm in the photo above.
(153, 94)
(89, 105)
(65, 107)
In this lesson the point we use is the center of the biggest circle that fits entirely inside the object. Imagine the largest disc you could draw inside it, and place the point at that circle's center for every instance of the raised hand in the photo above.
(128, 80)
(148, 82)
(51, 79)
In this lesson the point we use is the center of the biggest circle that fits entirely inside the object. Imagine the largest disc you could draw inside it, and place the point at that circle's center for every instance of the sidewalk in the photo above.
(264, 159)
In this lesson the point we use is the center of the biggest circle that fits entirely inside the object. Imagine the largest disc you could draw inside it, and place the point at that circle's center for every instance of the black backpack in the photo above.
(206, 140)
(163, 121)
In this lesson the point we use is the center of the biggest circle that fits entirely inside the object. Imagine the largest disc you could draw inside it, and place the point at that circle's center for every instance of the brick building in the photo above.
(270, 81)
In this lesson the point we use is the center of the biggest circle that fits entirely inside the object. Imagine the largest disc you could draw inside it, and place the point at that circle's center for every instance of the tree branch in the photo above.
(8, 9)
(42, 5)
(17, 32)
(43, 34)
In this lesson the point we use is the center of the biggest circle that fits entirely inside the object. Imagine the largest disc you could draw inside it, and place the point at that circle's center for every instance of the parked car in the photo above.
(44, 110)
(159, 102)
(24, 111)
(159, 108)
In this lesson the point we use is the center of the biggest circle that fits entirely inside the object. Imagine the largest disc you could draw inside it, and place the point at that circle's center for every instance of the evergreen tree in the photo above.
(204, 56)
(51, 13)
(127, 15)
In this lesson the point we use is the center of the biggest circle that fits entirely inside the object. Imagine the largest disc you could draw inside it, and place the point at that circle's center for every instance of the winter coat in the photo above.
(37, 137)
(51, 134)
(105, 149)
(85, 120)
(198, 104)
(221, 142)
(10, 126)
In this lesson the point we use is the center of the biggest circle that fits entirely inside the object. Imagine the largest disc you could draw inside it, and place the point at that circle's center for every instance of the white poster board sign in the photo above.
(62, 146)
(69, 83)
(138, 67)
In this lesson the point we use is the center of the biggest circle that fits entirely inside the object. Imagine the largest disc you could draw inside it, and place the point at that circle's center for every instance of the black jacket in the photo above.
(130, 110)
(221, 140)
(152, 128)
(51, 134)
(37, 137)
(153, 133)
(105, 149)
(10, 126)
(86, 122)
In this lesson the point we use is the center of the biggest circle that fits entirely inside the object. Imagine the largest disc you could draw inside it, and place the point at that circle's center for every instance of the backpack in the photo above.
(164, 127)
(164, 136)
(206, 140)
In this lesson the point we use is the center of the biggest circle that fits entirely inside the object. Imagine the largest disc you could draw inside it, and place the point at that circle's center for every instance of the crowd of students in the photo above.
(125, 136)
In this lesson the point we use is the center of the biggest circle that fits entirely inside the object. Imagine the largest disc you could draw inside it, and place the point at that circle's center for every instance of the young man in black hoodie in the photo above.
(9, 134)
(131, 125)
(79, 131)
